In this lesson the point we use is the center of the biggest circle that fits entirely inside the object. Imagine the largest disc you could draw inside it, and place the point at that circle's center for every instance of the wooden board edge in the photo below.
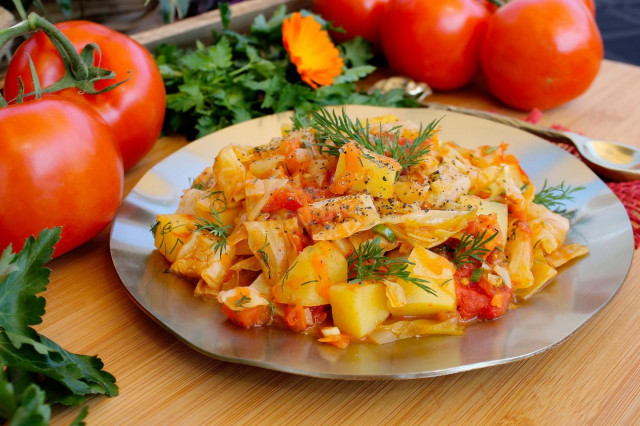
(200, 27)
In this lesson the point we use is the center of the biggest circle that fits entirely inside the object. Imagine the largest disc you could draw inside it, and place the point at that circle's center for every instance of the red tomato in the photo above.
(541, 53)
(134, 110)
(357, 17)
(436, 41)
(59, 166)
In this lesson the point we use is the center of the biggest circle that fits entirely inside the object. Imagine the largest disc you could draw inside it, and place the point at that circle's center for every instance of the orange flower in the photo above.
(317, 59)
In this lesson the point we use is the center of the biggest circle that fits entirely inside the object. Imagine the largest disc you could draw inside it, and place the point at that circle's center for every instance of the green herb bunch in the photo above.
(243, 76)
(35, 372)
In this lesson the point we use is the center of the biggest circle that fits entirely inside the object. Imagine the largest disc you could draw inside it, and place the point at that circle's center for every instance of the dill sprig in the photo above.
(471, 248)
(215, 227)
(265, 257)
(368, 262)
(340, 129)
(242, 301)
(553, 197)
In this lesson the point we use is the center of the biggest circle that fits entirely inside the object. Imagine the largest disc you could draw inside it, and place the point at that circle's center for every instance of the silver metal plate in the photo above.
(578, 293)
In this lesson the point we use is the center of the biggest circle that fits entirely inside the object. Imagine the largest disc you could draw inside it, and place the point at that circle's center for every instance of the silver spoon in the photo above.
(616, 161)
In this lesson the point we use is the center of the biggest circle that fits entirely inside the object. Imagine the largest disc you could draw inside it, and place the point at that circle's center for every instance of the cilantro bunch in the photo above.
(243, 76)
(35, 371)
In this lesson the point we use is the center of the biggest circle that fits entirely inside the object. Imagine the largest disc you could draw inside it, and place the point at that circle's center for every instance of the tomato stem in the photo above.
(498, 3)
(67, 51)
(80, 71)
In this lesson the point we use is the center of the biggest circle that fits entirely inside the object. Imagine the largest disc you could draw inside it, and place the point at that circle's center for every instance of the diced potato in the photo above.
(488, 207)
(438, 271)
(338, 217)
(171, 231)
(358, 309)
(314, 271)
(362, 170)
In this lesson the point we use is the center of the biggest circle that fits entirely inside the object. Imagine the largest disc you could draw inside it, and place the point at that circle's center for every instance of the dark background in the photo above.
(619, 23)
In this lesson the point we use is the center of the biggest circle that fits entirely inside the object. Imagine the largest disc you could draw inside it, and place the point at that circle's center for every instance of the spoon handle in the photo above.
(544, 132)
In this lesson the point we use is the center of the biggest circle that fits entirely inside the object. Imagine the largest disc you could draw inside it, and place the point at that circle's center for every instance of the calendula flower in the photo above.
(310, 49)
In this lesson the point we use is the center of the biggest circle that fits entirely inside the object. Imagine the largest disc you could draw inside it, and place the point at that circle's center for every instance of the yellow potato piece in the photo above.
(361, 170)
(438, 271)
(358, 309)
(313, 272)
(488, 207)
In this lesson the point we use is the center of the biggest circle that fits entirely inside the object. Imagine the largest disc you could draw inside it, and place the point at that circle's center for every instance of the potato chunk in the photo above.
(314, 271)
(438, 271)
(361, 170)
(358, 309)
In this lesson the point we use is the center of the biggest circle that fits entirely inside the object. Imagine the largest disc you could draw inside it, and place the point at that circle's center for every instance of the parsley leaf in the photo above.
(34, 370)
(243, 76)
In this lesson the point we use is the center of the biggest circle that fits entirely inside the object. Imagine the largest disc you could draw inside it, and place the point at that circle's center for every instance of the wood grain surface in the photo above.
(592, 378)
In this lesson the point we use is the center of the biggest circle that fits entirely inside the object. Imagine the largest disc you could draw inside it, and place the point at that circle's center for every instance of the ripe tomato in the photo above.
(436, 41)
(356, 17)
(134, 110)
(59, 166)
(541, 53)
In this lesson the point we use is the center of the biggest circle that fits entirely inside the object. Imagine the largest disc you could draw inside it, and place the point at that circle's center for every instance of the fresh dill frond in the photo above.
(242, 301)
(554, 197)
(301, 120)
(265, 257)
(368, 262)
(471, 248)
(336, 130)
(215, 227)
(410, 153)
(154, 228)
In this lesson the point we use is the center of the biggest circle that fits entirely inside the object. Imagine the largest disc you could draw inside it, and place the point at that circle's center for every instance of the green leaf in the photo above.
(354, 74)
(6, 263)
(220, 54)
(33, 410)
(27, 358)
(356, 52)
(8, 400)
(225, 14)
(19, 305)
(261, 26)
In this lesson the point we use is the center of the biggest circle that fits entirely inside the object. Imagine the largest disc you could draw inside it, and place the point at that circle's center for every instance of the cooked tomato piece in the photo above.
(298, 320)
(480, 300)
(257, 316)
